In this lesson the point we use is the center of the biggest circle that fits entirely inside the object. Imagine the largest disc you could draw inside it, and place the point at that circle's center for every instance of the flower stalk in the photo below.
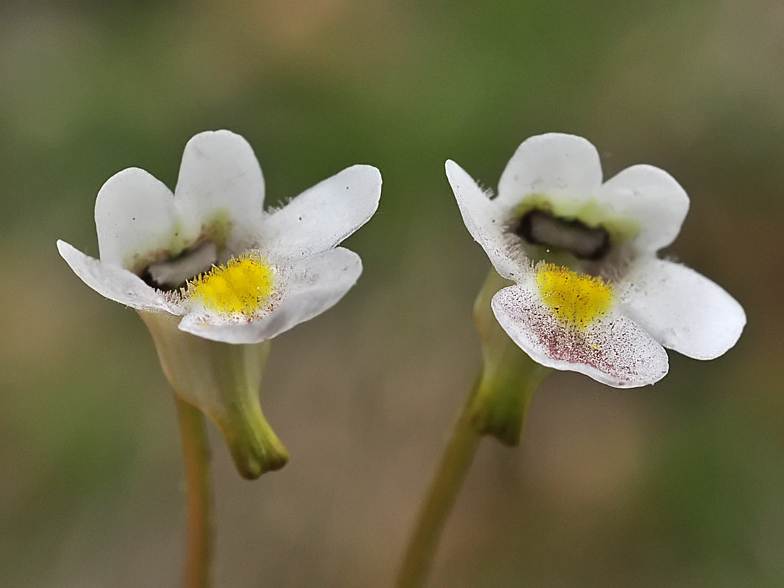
(198, 498)
(439, 500)
(497, 406)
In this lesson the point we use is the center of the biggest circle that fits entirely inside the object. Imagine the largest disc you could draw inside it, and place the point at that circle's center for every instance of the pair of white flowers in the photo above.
(589, 293)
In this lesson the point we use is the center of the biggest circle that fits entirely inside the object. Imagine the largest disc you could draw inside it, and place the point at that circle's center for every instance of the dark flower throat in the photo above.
(539, 227)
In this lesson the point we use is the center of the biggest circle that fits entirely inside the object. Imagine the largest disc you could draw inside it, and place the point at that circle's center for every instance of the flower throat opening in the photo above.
(172, 274)
(539, 227)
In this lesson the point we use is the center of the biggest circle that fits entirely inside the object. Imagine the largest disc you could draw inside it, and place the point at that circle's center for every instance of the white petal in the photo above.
(651, 197)
(114, 282)
(683, 310)
(135, 218)
(485, 220)
(614, 351)
(324, 215)
(308, 288)
(220, 177)
(563, 167)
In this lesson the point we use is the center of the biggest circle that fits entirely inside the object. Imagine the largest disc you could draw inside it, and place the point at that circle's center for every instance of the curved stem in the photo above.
(196, 466)
(497, 406)
(440, 499)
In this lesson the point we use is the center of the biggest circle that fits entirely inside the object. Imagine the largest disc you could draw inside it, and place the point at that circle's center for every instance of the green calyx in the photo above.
(509, 377)
(223, 381)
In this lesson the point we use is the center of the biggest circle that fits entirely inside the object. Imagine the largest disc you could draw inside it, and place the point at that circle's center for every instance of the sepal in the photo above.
(222, 380)
(509, 376)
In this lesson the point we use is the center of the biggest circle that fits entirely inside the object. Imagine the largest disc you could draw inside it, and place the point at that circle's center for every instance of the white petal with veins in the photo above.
(134, 216)
(683, 310)
(220, 175)
(114, 282)
(560, 166)
(651, 197)
(324, 215)
(485, 221)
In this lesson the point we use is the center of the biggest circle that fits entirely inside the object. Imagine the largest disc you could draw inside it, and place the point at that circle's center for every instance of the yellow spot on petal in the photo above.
(576, 300)
(241, 286)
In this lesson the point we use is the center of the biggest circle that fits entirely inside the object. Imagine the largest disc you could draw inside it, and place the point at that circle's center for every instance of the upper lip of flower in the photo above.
(639, 211)
(216, 213)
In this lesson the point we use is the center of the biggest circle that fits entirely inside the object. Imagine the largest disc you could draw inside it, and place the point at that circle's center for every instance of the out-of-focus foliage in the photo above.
(676, 485)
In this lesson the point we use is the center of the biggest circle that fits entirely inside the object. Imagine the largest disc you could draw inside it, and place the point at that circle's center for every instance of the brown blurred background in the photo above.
(677, 485)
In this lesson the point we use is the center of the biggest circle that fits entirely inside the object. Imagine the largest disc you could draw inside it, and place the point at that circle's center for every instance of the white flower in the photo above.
(590, 295)
(210, 253)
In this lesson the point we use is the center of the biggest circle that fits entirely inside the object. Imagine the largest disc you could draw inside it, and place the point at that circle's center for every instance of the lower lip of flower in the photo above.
(577, 300)
(239, 287)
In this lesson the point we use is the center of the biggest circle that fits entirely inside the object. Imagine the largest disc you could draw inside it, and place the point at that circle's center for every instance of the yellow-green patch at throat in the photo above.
(591, 213)
(577, 300)
(241, 286)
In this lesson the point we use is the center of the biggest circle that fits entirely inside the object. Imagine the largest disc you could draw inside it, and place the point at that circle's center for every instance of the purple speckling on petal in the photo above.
(613, 346)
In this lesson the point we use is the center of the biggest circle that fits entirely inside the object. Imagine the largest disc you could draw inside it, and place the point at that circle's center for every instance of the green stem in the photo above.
(440, 499)
(497, 407)
(196, 460)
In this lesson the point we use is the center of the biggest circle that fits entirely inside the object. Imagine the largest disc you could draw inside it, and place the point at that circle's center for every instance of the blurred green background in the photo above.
(678, 485)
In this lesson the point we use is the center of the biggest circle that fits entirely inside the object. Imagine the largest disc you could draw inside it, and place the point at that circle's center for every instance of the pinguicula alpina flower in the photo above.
(210, 253)
(590, 294)
(214, 276)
